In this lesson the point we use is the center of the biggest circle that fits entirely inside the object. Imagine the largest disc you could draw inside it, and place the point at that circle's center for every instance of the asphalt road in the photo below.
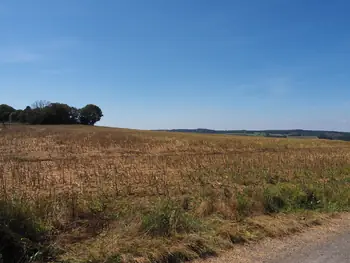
(334, 250)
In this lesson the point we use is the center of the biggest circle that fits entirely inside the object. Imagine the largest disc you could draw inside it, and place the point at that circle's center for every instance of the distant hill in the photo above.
(295, 133)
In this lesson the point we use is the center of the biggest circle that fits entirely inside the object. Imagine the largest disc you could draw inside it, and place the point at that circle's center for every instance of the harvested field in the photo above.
(93, 194)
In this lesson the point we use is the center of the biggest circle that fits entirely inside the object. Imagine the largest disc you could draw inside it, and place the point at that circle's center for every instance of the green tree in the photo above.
(26, 115)
(17, 115)
(33, 115)
(5, 111)
(74, 115)
(36, 113)
(90, 114)
(56, 113)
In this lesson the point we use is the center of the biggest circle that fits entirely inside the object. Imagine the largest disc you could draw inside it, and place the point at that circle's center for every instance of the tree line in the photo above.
(329, 135)
(43, 112)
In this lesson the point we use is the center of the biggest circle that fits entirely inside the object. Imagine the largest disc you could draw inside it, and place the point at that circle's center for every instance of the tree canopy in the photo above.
(44, 112)
(5, 111)
(90, 114)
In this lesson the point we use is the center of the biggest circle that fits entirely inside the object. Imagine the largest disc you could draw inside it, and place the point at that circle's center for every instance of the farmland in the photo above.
(93, 194)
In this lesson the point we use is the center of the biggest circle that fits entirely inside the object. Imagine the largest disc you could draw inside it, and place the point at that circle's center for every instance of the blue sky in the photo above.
(149, 64)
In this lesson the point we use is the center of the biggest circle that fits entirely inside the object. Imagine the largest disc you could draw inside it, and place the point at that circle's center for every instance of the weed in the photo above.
(21, 234)
(289, 197)
(114, 259)
(168, 219)
(243, 205)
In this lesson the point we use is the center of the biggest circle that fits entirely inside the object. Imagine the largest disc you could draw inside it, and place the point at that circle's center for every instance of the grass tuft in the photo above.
(286, 197)
(168, 219)
(22, 235)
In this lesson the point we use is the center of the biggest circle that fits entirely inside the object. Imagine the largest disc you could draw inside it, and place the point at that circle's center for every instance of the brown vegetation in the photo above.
(113, 195)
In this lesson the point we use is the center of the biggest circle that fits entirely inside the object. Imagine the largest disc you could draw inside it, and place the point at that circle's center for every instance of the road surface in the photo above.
(335, 250)
(329, 243)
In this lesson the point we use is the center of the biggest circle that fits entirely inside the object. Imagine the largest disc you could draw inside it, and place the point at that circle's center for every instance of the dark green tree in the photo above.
(74, 115)
(17, 115)
(44, 112)
(90, 114)
(5, 111)
(33, 115)
(25, 115)
(56, 113)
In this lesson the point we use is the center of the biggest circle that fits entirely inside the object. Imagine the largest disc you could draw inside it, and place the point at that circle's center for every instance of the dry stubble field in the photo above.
(92, 194)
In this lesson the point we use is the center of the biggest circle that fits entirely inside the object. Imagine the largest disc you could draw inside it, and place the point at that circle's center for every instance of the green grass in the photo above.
(168, 219)
(23, 237)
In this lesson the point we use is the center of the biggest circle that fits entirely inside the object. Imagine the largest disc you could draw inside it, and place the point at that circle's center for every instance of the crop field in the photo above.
(93, 194)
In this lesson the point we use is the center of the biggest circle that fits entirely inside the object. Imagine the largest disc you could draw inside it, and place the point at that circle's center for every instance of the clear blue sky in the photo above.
(223, 64)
